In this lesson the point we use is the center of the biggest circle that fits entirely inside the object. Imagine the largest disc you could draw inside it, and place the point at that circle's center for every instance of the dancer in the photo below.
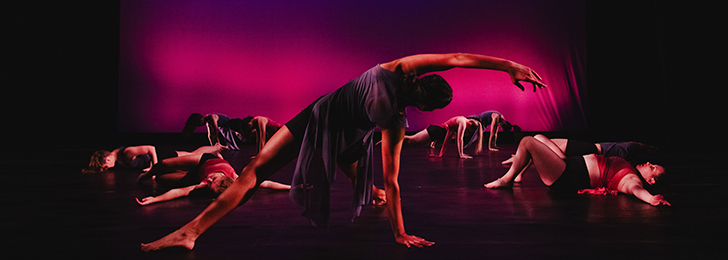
(633, 152)
(456, 127)
(194, 172)
(496, 121)
(337, 128)
(261, 128)
(138, 157)
(220, 129)
(571, 174)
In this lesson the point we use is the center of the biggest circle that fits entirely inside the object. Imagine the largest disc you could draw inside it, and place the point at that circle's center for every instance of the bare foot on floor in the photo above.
(177, 239)
(498, 184)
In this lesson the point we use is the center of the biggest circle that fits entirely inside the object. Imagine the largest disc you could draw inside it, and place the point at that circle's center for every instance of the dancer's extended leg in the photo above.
(171, 165)
(421, 137)
(276, 154)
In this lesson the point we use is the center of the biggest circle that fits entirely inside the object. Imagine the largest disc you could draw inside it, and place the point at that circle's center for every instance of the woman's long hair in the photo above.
(98, 158)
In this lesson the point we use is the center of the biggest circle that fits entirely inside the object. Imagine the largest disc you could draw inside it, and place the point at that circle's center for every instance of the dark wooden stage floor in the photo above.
(50, 209)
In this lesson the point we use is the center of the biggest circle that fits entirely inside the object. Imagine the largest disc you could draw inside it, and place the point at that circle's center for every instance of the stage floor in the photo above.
(50, 209)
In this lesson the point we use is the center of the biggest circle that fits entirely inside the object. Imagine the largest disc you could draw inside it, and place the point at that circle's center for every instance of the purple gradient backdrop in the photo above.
(272, 58)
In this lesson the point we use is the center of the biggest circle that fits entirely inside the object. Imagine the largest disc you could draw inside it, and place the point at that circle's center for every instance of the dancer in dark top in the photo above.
(496, 121)
(337, 128)
(220, 129)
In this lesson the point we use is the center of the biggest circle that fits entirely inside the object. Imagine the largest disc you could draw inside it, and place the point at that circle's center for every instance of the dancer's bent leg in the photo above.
(548, 164)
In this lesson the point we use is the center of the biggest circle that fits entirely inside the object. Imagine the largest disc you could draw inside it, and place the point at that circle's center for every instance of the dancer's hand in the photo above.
(658, 200)
(409, 240)
(145, 201)
(520, 73)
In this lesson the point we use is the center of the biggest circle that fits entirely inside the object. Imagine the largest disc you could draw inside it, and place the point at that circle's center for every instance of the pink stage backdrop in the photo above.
(272, 58)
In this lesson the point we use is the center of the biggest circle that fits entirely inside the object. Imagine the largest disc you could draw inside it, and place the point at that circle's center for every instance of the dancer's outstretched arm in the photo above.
(632, 184)
(391, 148)
(425, 63)
(493, 137)
(462, 125)
(170, 195)
(212, 132)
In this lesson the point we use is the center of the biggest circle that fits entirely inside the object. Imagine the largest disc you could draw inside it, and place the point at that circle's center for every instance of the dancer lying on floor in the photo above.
(194, 172)
(139, 157)
(571, 174)
(457, 127)
(337, 128)
(633, 152)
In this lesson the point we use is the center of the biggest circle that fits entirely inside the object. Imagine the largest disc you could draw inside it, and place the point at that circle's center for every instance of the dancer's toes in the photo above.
(499, 183)
(177, 240)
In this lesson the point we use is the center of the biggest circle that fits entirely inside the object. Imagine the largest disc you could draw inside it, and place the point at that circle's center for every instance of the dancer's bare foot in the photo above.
(177, 239)
(380, 198)
(498, 184)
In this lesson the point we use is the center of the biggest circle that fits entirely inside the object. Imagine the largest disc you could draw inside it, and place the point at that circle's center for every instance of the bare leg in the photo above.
(276, 154)
(421, 137)
(379, 196)
(550, 165)
(556, 145)
(274, 185)
(171, 165)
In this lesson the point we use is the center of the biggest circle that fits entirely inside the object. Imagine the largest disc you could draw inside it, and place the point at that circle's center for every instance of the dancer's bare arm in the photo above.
(134, 151)
(212, 133)
(425, 63)
(262, 126)
(445, 142)
(462, 125)
(170, 195)
(391, 148)
(631, 184)
(493, 137)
